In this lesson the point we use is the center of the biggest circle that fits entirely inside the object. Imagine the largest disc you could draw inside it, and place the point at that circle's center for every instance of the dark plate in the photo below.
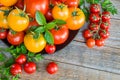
(72, 34)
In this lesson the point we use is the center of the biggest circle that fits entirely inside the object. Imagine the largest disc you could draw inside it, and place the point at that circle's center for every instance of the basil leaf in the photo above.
(2, 57)
(38, 57)
(50, 25)
(39, 30)
(59, 22)
(49, 37)
(40, 18)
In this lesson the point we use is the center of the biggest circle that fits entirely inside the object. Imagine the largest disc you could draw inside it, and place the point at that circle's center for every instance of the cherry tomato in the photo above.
(15, 38)
(18, 23)
(104, 34)
(95, 8)
(90, 42)
(33, 5)
(20, 4)
(21, 59)
(8, 2)
(60, 11)
(99, 42)
(93, 26)
(60, 34)
(3, 33)
(87, 34)
(55, 2)
(29, 67)
(49, 16)
(105, 25)
(76, 19)
(50, 49)
(105, 16)
(72, 3)
(52, 68)
(94, 18)
(15, 69)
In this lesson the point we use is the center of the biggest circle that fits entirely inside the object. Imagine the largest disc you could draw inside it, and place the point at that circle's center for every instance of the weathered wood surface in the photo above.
(77, 62)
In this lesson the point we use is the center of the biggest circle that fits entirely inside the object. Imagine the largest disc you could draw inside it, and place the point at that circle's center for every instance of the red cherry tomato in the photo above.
(90, 43)
(21, 59)
(94, 18)
(55, 2)
(50, 49)
(87, 34)
(49, 16)
(60, 34)
(15, 39)
(15, 69)
(105, 16)
(93, 26)
(104, 34)
(99, 42)
(20, 4)
(29, 67)
(72, 3)
(3, 33)
(52, 68)
(105, 25)
(95, 8)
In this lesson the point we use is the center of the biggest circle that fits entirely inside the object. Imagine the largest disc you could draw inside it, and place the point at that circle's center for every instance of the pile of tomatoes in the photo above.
(98, 28)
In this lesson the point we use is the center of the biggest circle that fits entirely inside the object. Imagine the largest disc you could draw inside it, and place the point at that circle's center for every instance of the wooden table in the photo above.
(78, 62)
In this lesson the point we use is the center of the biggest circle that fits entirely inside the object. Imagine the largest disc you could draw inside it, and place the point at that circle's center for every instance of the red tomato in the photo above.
(15, 39)
(93, 26)
(15, 69)
(94, 18)
(33, 5)
(52, 68)
(90, 43)
(60, 34)
(55, 2)
(20, 4)
(104, 34)
(105, 25)
(21, 59)
(87, 34)
(72, 3)
(3, 33)
(50, 49)
(49, 16)
(30, 67)
(95, 8)
(105, 16)
(99, 42)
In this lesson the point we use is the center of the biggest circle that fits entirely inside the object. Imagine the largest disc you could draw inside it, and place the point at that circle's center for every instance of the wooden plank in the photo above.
(69, 72)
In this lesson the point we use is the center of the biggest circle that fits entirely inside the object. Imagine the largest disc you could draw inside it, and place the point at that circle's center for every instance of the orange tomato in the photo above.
(34, 45)
(8, 2)
(60, 11)
(76, 19)
(18, 20)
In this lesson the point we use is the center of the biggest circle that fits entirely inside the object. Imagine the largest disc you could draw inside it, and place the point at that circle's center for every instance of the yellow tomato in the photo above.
(34, 45)
(3, 17)
(76, 19)
(18, 20)
(8, 2)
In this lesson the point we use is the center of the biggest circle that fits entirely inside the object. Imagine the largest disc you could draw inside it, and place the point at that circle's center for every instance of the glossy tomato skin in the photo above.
(52, 68)
(15, 39)
(50, 49)
(8, 2)
(76, 19)
(99, 42)
(55, 2)
(93, 26)
(104, 34)
(49, 16)
(105, 25)
(94, 18)
(20, 4)
(60, 35)
(87, 34)
(95, 8)
(29, 67)
(106, 16)
(72, 3)
(15, 69)
(33, 5)
(90, 42)
(3, 33)
(21, 59)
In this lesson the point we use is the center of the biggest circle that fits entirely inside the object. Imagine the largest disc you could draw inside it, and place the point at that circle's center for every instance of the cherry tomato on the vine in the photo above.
(104, 34)
(105, 16)
(99, 42)
(50, 49)
(105, 25)
(3, 33)
(72, 3)
(90, 42)
(94, 18)
(95, 8)
(93, 26)
(21, 59)
(87, 34)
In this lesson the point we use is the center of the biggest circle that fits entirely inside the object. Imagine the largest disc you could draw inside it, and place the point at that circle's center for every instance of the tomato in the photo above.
(33, 5)
(15, 69)
(20, 4)
(104, 34)
(29, 67)
(52, 68)
(76, 19)
(8, 2)
(105, 16)
(94, 18)
(55, 2)
(90, 42)
(93, 26)
(99, 42)
(15, 38)
(61, 12)
(87, 34)
(18, 20)
(50, 49)
(72, 3)
(21, 59)
(1, 5)
(95, 8)
(3, 17)
(34, 45)
(3, 33)
(49, 16)
(105, 25)
(60, 34)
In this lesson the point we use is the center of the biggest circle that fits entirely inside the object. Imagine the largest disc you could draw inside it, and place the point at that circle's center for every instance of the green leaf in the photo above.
(86, 12)
(9, 62)
(39, 30)
(81, 2)
(59, 22)
(40, 18)
(2, 57)
(49, 37)
(38, 57)
(50, 25)
(93, 1)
